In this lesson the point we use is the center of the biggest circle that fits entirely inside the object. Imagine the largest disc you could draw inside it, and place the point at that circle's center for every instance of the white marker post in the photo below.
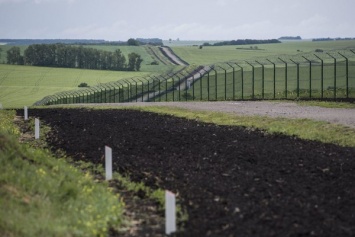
(108, 162)
(36, 128)
(170, 213)
(0, 106)
(26, 112)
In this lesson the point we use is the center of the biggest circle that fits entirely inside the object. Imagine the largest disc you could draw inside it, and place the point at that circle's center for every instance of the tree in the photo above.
(119, 60)
(132, 42)
(134, 62)
(14, 56)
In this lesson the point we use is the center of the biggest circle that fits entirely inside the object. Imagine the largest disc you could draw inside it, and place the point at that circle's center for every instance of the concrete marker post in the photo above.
(108, 162)
(170, 213)
(25, 113)
(36, 128)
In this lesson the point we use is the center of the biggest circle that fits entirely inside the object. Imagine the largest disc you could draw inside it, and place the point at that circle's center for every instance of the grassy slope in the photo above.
(44, 196)
(210, 55)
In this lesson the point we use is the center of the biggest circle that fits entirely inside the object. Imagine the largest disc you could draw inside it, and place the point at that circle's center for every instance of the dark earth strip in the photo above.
(232, 181)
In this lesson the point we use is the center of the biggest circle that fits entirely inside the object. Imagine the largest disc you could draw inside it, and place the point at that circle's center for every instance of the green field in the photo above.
(213, 54)
(24, 85)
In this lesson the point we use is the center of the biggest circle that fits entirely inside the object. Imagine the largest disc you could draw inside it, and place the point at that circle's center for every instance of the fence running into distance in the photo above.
(325, 75)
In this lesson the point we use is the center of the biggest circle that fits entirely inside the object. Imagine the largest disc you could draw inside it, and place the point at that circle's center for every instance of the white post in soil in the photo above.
(26, 113)
(36, 128)
(108, 162)
(0, 106)
(170, 213)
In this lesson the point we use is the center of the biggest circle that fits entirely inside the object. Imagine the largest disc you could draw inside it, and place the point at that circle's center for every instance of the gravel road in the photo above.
(264, 108)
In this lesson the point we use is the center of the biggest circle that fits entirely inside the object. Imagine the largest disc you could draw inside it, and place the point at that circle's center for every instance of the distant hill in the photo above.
(290, 38)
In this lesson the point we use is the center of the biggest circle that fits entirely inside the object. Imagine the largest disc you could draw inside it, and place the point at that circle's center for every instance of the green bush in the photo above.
(83, 84)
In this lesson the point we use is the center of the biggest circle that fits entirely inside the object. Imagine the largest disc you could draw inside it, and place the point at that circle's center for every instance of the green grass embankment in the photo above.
(44, 196)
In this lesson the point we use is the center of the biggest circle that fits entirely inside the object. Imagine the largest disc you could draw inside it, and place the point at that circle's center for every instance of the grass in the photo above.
(302, 128)
(328, 104)
(211, 55)
(44, 196)
(24, 85)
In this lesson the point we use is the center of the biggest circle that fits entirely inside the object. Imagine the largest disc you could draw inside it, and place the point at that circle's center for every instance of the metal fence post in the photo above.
(136, 89)
(242, 74)
(201, 85)
(208, 85)
(262, 79)
(286, 87)
(193, 87)
(215, 80)
(322, 75)
(253, 80)
(274, 77)
(310, 76)
(142, 89)
(347, 74)
(225, 82)
(179, 86)
(233, 91)
(298, 78)
(335, 76)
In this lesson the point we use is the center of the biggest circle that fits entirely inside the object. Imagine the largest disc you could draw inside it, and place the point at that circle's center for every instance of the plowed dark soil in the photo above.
(232, 181)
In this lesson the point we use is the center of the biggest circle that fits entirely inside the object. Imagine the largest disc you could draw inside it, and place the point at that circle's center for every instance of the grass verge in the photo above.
(44, 196)
(328, 104)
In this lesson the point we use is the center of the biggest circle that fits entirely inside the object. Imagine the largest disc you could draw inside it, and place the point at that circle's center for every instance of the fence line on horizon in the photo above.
(325, 75)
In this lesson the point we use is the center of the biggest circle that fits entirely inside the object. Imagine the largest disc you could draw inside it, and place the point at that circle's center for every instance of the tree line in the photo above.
(60, 55)
(243, 42)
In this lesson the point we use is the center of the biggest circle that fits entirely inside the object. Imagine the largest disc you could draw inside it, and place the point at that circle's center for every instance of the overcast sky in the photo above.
(184, 19)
